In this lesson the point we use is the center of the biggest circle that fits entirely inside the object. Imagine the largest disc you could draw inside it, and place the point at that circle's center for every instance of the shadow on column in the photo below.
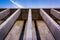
(37, 32)
(22, 33)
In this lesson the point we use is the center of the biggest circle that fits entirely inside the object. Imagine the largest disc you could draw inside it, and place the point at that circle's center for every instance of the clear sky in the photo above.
(30, 3)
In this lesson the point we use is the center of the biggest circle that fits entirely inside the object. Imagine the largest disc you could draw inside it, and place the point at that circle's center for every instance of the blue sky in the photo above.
(30, 3)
